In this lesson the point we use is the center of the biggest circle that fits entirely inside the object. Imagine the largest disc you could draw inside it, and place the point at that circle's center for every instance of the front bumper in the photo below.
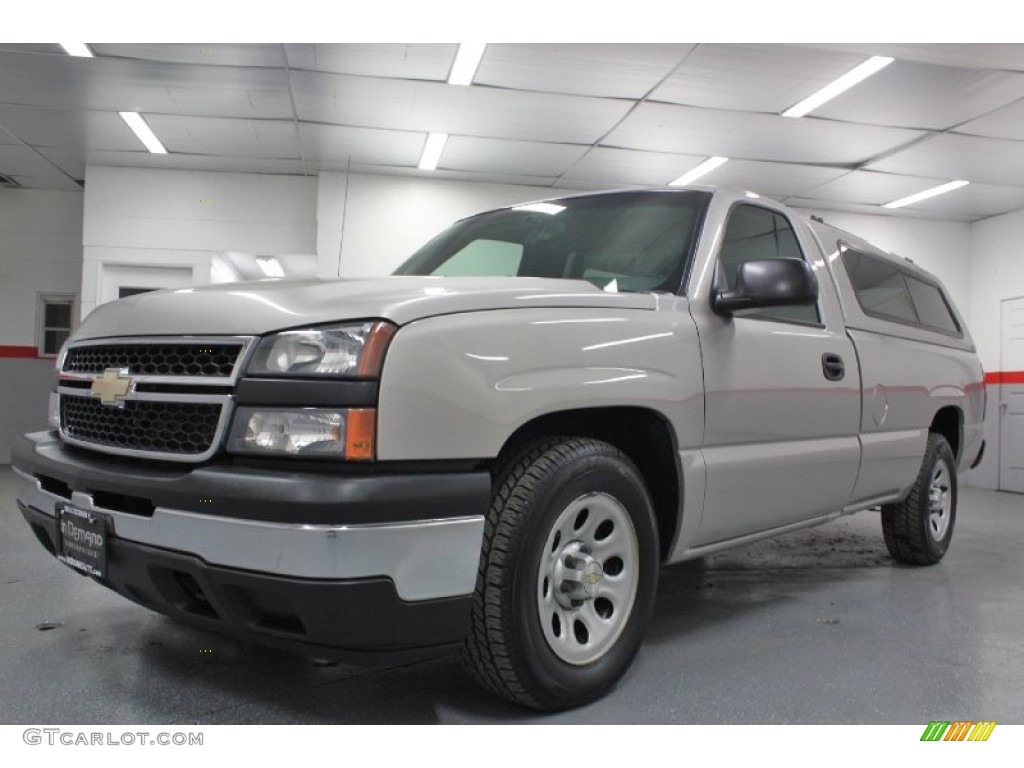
(299, 572)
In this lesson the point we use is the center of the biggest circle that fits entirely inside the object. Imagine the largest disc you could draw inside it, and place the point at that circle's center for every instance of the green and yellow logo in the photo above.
(958, 730)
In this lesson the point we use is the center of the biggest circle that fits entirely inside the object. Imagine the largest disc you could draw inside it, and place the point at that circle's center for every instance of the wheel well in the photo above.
(643, 435)
(948, 422)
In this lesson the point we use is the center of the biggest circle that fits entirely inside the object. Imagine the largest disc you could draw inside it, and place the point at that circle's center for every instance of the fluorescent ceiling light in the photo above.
(77, 49)
(919, 196)
(270, 266)
(862, 71)
(701, 170)
(432, 151)
(466, 61)
(146, 136)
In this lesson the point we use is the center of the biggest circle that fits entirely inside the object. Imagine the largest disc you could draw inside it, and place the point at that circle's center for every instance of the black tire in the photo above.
(918, 529)
(508, 651)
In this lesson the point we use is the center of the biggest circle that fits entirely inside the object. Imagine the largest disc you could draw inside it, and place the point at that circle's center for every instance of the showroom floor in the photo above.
(816, 627)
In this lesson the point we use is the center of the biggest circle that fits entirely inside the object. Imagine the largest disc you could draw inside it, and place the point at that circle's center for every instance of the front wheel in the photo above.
(567, 575)
(918, 530)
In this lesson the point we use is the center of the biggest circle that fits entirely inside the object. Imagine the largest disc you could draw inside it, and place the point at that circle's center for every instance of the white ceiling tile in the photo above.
(487, 178)
(211, 54)
(976, 200)
(812, 204)
(55, 181)
(1006, 56)
(335, 145)
(183, 162)
(427, 61)
(67, 82)
(226, 136)
(809, 205)
(605, 167)
(989, 161)
(756, 78)
(521, 158)
(584, 69)
(1005, 123)
(67, 128)
(913, 95)
(453, 109)
(771, 179)
(71, 161)
(742, 135)
(534, 113)
(613, 167)
(871, 187)
(31, 169)
(18, 160)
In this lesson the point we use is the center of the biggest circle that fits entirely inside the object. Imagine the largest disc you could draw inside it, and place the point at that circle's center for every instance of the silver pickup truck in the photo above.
(496, 449)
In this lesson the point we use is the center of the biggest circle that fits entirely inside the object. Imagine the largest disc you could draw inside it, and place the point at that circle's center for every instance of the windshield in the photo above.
(624, 241)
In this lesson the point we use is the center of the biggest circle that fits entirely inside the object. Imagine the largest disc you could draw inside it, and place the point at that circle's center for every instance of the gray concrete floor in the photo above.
(819, 626)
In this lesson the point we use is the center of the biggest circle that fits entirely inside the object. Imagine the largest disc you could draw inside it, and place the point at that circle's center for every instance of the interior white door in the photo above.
(1011, 398)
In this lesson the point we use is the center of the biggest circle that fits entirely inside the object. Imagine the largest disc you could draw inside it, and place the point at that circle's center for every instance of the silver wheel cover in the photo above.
(939, 500)
(588, 578)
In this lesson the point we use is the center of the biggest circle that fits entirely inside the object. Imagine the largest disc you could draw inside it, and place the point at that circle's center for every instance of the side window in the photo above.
(484, 258)
(886, 291)
(755, 234)
(931, 306)
(880, 287)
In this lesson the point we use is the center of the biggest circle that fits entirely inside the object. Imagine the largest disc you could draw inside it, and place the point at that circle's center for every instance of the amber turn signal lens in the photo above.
(372, 358)
(360, 436)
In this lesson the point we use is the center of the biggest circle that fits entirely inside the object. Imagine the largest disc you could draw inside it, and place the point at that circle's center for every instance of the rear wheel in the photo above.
(918, 530)
(567, 575)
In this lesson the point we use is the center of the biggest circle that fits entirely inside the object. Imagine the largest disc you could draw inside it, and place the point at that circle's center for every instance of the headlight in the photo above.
(342, 433)
(349, 351)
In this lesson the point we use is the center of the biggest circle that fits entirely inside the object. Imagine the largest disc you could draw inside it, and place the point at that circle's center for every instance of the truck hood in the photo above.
(273, 305)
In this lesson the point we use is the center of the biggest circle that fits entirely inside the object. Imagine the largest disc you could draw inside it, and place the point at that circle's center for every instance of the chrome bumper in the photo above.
(425, 559)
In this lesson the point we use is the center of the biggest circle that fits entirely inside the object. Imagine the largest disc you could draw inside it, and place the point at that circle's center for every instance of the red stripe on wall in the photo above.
(18, 351)
(1005, 377)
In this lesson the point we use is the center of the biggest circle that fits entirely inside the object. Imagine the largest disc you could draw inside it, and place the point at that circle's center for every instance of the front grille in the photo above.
(183, 429)
(190, 359)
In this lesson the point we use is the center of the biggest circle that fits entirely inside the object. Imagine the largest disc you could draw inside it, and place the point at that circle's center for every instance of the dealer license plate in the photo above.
(82, 540)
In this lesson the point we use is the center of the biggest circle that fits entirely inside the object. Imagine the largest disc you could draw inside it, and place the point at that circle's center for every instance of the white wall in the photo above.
(40, 252)
(997, 260)
(368, 225)
(180, 219)
(997, 253)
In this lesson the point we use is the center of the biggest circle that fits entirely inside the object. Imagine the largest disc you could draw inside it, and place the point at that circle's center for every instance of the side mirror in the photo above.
(769, 283)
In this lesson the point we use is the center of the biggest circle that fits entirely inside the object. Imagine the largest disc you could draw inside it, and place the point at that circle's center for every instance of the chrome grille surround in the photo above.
(161, 391)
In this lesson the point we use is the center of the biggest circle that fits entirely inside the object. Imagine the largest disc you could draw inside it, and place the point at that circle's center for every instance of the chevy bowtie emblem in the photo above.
(113, 387)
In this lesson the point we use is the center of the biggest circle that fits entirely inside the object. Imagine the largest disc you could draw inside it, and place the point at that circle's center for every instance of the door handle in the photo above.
(832, 366)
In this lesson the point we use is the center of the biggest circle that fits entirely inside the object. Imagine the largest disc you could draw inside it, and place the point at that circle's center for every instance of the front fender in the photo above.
(458, 386)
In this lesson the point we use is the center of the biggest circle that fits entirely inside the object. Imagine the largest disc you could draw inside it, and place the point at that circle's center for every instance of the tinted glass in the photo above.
(931, 306)
(57, 315)
(757, 234)
(53, 340)
(880, 287)
(484, 257)
(632, 241)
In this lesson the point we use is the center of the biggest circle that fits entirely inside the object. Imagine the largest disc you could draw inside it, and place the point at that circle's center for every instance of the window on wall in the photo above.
(56, 313)
(755, 234)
